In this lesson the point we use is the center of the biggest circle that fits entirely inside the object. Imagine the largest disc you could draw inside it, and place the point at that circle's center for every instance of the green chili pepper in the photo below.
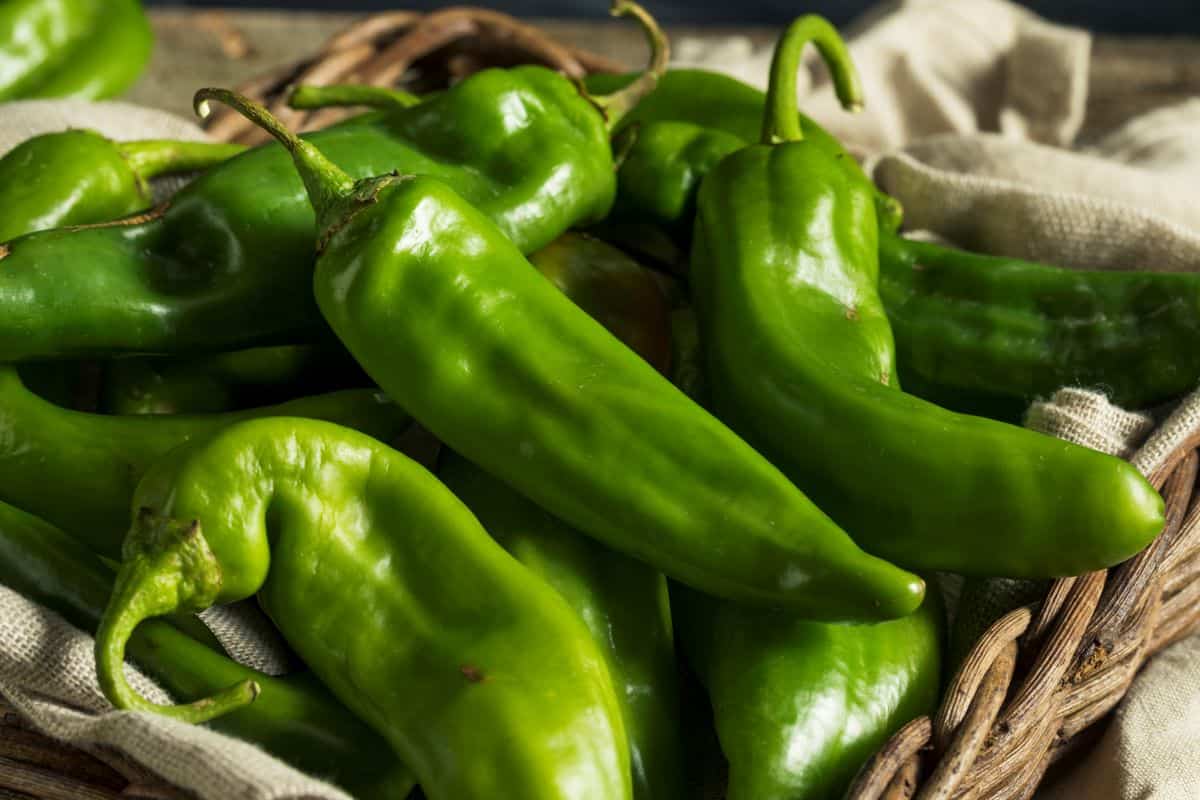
(800, 357)
(477, 672)
(614, 290)
(229, 263)
(309, 98)
(983, 331)
(71, 48)
(505, 370)
(622, 602)
(661, 173)
(294, 718)
(79, 177)
(680, 130)
(239, 379)
(79, 470)
(799, 706)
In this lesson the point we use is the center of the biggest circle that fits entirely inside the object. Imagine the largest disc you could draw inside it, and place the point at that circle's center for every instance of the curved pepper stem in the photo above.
(308, 97)
(782, 120)
(152, 157)
(616, 105)
(328, 186)
(168, 569)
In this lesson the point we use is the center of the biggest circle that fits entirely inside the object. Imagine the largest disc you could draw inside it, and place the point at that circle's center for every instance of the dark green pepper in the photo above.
(294, 718)
(507, 371)
(799, 706)
(79, 470)
(480, 676)
(79, 177)
(801, 361)
(978, 332)
(622, 602)
(229, 263)
(239, 379)
(614, 290)
(681, 129)
(71, 48)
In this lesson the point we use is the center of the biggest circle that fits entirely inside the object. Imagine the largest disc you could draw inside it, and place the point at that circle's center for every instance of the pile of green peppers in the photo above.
(679, 509)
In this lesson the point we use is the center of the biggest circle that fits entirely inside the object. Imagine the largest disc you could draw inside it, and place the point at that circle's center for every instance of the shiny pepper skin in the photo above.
(79, 177)
(798, 705)
(622, 602)
(678, 132)
(88, 49)
(479, 675)
(294, 717)
(511, 374)
(801, 362)
(78, 470)
(981, 333)
(228, 264)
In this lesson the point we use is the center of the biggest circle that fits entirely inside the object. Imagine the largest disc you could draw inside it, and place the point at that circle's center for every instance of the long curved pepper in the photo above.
(785, 272)
(479, 674)
(510, 373)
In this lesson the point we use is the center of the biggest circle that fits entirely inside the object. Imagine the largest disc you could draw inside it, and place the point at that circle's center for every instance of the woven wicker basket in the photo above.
(1026, 695)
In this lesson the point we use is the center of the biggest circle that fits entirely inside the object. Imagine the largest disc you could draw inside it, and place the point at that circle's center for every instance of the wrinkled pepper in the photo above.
(78, 470)
(979, 332)
(294, 717)
(622, 602)
(799, 706)
(78, 177)
(228, 263)
(801, 361)
(510, 373)
(89, 49)
(479, 675)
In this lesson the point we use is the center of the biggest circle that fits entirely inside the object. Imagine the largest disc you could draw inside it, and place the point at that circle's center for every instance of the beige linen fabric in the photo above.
(972, 110)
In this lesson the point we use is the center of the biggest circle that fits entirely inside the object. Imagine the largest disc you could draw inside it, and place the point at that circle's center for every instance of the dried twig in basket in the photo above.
(408, 49)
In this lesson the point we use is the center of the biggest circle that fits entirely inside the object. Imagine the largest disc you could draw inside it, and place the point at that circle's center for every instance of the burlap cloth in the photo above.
(973, 110)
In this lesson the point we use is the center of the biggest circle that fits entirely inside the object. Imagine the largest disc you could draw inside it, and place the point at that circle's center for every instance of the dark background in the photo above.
(1112, 16)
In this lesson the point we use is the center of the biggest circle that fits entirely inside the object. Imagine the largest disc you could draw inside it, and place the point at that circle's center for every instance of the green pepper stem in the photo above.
(616, 105)
(152, 157)
(168, 568)
(328, 186)
(782, 120)
(309, 97)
